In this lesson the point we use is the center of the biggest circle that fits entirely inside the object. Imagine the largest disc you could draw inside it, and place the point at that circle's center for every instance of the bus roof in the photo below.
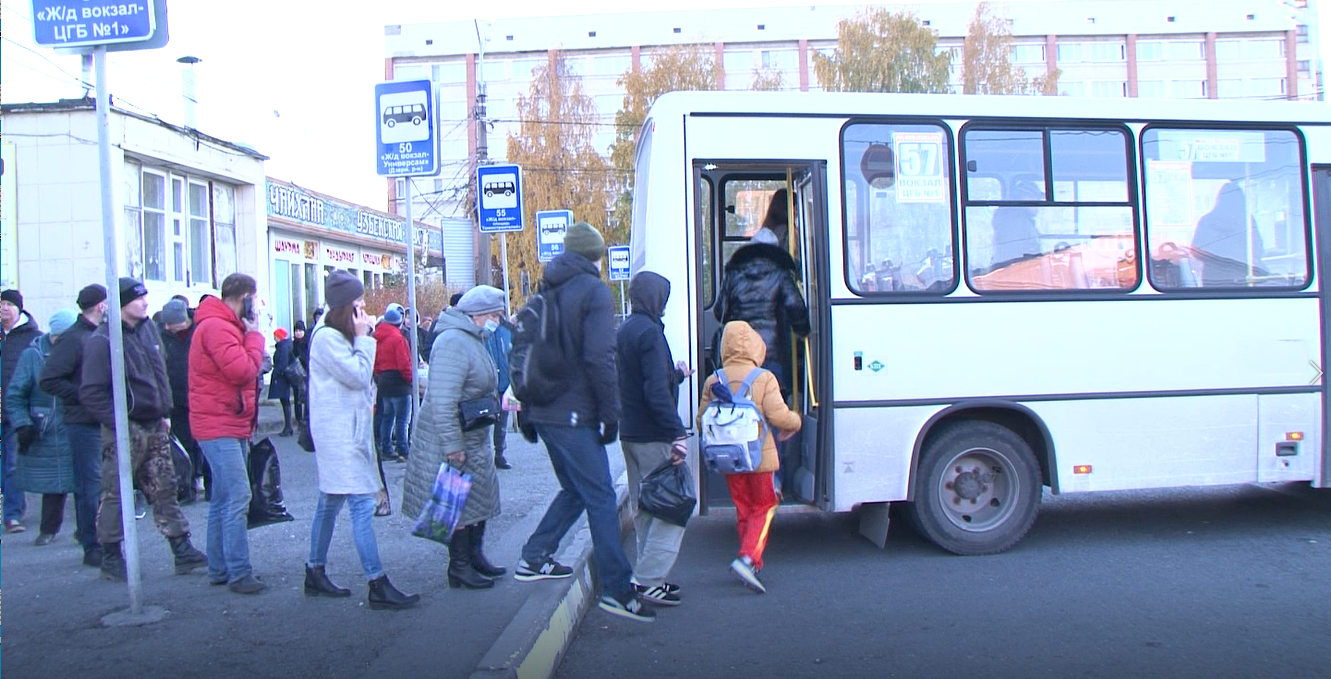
(966, 106)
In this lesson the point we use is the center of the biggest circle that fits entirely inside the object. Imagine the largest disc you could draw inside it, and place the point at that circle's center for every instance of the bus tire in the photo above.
(416, 120)
(390, 122)
(977, 489)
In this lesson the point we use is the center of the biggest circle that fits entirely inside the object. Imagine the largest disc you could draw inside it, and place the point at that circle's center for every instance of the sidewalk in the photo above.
(56, 604)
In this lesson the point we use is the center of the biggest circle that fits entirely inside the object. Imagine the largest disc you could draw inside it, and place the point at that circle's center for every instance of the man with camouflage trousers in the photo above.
(149, 396)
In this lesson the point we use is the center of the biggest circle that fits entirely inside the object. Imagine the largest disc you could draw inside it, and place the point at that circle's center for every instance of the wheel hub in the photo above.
(968, 485)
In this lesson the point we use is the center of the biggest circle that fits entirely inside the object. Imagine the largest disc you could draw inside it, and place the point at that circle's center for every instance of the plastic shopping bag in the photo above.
(444, 508)
(667, 493)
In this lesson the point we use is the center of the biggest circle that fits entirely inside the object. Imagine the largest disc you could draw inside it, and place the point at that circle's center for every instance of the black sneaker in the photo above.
(658, 595)
(633, 609)
(547, 570)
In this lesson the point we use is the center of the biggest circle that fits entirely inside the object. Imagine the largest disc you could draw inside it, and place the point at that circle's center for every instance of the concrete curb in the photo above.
(532, 645)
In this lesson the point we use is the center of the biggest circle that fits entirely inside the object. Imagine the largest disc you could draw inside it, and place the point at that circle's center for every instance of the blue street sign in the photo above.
(61, 23)
(551, 225)
(404, 127)
(500, 206)
(619, 263)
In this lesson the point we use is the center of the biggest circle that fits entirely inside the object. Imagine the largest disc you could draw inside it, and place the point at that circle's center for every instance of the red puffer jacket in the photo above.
(224, 363)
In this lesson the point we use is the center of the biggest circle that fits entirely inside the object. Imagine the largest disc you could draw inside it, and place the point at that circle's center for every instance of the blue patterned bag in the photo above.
(440, 515)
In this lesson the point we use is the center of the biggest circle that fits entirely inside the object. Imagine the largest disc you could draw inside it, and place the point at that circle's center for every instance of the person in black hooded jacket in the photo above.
(758, 287)
(649, 427)
(19, 329)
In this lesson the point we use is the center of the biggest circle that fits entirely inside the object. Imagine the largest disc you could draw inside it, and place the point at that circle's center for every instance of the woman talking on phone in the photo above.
(341, 422)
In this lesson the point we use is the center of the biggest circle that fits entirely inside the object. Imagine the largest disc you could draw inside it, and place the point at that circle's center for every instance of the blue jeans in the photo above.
(16, 503)
(228, 511)
(583, 470)
(85, 442)
(362, 531)
(394, 418)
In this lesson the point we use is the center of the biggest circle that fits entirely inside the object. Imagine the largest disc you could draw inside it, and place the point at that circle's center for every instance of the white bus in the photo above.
(1012, 293)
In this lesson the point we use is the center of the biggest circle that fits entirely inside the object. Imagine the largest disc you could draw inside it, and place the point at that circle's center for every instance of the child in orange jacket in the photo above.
(743, 351)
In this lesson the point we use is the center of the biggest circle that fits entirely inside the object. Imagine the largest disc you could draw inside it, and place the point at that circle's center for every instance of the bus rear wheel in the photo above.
(977, 489)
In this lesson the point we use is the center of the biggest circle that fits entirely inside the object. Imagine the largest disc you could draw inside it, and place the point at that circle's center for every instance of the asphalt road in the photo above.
(1209, 583)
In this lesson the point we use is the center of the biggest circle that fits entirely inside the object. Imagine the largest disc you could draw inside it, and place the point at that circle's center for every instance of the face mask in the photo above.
(491, 325)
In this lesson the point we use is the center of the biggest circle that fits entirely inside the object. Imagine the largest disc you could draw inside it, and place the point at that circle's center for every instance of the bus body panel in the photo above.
(1012, 350)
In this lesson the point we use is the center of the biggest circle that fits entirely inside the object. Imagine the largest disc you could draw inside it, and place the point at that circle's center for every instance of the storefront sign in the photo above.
(294, 248)
(290, 202)
(371, 259)
(334, 255)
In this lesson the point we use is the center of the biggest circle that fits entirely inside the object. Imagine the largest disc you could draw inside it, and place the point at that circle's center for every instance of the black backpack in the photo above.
(536, 362)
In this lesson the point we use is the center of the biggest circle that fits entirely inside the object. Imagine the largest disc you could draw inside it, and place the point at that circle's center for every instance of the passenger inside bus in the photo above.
(758, 286)
(1222, 242)
(1015, 235)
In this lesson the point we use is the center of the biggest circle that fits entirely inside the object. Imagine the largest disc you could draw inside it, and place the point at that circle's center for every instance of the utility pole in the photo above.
(483, 156)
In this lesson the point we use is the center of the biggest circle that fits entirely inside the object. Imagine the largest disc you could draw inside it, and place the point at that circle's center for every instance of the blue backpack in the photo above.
(733, 428)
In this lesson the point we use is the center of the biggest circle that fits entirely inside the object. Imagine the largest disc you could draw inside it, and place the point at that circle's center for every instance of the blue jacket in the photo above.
(499, 344)
(46, 466)
(648, 380)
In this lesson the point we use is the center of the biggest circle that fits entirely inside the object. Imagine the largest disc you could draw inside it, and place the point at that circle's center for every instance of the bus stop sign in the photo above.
(404, 127)
(551, 225)
(60, 23)
(619, 263)
(500, 193)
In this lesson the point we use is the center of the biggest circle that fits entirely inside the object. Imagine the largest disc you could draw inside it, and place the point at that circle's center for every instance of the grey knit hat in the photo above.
(342, 289)
(174, 312)
(481, 300)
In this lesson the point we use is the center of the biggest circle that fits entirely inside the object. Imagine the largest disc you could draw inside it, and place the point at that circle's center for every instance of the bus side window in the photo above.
(897, 190)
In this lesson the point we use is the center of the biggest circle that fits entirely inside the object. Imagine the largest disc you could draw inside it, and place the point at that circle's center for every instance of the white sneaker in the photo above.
(743, 568)
(658, 595)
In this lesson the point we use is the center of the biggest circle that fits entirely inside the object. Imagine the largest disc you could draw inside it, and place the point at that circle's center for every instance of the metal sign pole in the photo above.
(411, 302)
(503, 252)
(130, 543)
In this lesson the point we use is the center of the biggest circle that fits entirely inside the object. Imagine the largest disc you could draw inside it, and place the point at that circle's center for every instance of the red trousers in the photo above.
(755, 505)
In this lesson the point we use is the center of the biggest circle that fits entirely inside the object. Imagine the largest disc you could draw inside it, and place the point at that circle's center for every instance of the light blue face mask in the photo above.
(491, 325)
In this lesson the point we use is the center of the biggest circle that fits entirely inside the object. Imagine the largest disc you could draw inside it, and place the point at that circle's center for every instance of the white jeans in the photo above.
(657, 541)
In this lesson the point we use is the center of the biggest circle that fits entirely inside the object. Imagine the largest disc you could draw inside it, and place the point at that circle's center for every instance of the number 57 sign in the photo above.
(920, 164)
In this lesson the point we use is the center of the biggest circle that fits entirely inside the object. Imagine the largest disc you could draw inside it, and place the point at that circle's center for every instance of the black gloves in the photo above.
(27, 435)
(609, 432)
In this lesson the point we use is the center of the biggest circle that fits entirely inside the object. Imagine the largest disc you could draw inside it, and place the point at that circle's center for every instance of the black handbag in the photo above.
(295, 373)
(476, 413)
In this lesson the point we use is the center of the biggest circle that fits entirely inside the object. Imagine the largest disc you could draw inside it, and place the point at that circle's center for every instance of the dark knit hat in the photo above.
(342, 289)
(584, 239)
(131, 290)
(300, 325)
(91, 295)
(13, 297)
(174, 312)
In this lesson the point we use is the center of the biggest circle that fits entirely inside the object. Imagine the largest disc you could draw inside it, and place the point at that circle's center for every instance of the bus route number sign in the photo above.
(919, 169)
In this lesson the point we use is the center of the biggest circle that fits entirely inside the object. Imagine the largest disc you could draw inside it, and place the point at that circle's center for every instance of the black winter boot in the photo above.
(478, 560)
(383, 595)
(286, 418)
(460, 570)
(187, 557)
(113, 563)
(318, 584)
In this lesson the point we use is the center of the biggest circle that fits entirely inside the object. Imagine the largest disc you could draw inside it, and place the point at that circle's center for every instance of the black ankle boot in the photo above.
(113, 563)
(502, 462)
(318, 584)
(478, 560)
(187, 557)
(286, 419)
(383, 595)
(460, 570)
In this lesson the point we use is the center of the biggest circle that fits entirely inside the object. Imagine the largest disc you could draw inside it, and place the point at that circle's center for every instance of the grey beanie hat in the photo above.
(342, 289)
(584, 239)
(481, 300)
(174, 312)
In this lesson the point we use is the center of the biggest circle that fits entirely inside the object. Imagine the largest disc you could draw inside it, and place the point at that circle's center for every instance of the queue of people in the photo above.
(198, 378)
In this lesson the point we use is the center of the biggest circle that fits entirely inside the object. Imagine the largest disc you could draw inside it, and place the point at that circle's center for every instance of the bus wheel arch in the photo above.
(977, 477)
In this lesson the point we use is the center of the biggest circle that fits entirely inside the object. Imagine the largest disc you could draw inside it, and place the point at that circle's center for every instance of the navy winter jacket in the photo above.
(648, 379)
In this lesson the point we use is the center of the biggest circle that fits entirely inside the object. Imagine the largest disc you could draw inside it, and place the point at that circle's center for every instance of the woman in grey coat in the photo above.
(341, 399)
(45, 460)
(460, 370)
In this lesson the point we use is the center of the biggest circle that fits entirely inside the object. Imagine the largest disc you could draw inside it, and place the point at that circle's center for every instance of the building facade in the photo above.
(1242, 49)
(188, 206)
(310, 235)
